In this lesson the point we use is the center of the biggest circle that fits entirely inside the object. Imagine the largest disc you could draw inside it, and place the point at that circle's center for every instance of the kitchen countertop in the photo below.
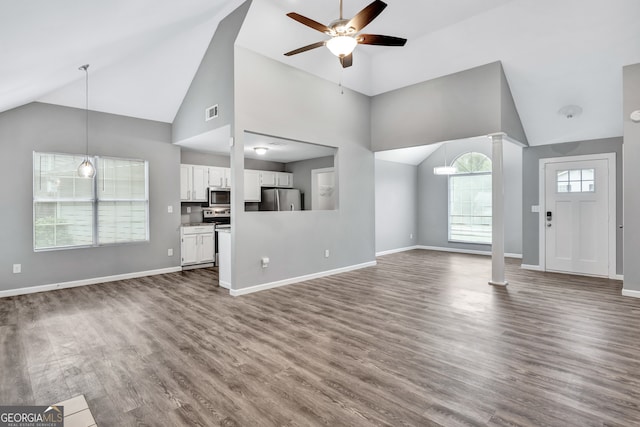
(223, 230)
(196, 224)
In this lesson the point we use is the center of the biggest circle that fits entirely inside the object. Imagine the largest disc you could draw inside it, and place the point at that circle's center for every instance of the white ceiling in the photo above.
(144, 53)
(283, 150)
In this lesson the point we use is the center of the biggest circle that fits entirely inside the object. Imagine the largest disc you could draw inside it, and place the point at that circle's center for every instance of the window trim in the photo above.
(94, 202)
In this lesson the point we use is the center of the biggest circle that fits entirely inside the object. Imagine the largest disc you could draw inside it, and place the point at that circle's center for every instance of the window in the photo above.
(70, 211)
(470, 199)
(576, 181)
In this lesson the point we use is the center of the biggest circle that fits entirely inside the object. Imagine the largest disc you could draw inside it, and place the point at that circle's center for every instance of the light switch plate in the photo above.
(17, 268)
(169, 209)
(535, 208)
(170, 252)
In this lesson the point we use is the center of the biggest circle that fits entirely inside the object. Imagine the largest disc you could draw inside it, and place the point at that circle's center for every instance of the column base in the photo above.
(492, 283)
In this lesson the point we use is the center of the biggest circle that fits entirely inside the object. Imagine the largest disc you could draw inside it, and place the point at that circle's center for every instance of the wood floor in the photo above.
(419, 340)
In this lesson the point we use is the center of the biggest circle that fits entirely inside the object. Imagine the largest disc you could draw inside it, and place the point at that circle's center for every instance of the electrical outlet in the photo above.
(17, 268)
(326, 253)
(188, 209)
(169, 209)
(265, 262)
(170, 252)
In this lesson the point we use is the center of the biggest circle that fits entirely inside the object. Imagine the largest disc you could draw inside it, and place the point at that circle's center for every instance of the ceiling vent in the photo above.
(211, 113)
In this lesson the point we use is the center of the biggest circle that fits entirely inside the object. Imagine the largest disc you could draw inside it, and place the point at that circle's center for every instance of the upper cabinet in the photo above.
(276, 179)
(284, 179)
(219, 177)
(194, 181)
(216, 177)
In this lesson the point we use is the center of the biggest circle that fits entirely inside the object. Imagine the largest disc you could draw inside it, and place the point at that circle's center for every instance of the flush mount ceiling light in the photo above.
(261, 151)
(570, 111)
(86, 168)
(345, 35)
(444, 170)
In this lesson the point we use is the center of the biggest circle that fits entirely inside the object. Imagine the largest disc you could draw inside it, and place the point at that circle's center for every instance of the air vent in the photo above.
(211, 113)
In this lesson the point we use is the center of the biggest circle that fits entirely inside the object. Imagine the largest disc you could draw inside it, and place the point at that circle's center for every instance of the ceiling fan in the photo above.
(344, 33)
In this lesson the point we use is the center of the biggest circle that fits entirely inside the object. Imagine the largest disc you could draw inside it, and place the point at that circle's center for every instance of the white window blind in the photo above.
(70, 211)
(470, 207)
(122, 200)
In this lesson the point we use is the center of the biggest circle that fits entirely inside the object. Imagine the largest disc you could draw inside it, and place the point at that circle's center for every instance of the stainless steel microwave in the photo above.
(219, 196)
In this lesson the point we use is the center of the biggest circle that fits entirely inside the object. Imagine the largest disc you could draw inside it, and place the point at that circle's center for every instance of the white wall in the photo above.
(275, 99)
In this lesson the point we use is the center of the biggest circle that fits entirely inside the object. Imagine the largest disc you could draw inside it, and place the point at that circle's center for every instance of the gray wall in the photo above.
(433, 197)
(302, 174)
(631, 90)
(192, 157)
(530, 190)
(510, 119)
(456, 106)
(213, 82)
(49, 128)
(396, 205)
(312, 110)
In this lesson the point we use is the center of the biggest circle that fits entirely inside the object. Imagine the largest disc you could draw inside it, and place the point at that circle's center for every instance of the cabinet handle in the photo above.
(188, 194)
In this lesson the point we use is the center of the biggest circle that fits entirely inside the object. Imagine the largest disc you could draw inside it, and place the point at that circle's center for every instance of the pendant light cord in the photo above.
(86, 72)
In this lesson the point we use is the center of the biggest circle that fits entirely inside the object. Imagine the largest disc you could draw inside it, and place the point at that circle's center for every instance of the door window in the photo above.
(576, 181)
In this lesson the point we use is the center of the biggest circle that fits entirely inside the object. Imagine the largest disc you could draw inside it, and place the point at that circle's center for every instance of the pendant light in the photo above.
(86, 168)
(444, 170)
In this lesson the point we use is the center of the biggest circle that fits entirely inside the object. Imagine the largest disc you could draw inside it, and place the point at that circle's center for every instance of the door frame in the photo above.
(542, 200)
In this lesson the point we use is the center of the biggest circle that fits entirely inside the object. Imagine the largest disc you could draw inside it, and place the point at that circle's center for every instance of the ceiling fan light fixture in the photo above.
(261, 151)
(342, 46)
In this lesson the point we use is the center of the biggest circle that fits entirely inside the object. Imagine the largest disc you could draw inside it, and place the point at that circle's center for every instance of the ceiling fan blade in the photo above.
(309, 22)
(347, 61)
(366, 15)
(305, 48)
(379, 40)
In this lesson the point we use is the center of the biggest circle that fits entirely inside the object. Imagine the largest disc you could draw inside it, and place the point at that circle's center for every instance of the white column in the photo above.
(497, 215)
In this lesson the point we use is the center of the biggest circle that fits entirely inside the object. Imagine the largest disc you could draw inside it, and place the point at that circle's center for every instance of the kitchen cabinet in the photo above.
(219, 177)
(194, 180)
(197, 245)
(276, 179)
(284, 179)
(216, 177)
(252, 190)
(267, 178)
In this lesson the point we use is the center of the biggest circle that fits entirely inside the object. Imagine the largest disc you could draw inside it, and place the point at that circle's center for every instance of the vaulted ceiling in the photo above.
(144, 53)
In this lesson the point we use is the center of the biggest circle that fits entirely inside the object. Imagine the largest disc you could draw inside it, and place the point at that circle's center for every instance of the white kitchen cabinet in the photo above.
(194, 180)
(216, 177)
(284, 179)
(267, 178)
(186, 176)
(197, 245)
(252, 190)
(276, 179)
(227, 178)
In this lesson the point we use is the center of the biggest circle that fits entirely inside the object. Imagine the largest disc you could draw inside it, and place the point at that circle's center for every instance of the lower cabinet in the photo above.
(197, 245)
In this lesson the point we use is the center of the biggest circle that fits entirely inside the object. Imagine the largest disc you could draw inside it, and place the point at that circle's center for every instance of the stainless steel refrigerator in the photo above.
(281, 199)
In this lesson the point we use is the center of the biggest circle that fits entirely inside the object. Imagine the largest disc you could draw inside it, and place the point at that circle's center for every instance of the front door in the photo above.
(577, 217)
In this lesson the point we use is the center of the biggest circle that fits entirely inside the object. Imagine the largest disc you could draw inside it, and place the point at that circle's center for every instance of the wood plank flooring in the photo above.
(419, 340)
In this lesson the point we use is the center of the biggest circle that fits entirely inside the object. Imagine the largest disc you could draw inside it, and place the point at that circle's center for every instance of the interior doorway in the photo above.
(577, 215)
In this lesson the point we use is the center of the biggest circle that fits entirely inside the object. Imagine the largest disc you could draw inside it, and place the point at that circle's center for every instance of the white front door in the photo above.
(576, 217)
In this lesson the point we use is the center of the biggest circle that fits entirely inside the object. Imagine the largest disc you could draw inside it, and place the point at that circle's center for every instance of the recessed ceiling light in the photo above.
(261, 151)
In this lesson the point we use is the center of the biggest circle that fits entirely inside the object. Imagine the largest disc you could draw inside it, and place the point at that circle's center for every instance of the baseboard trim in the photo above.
(395, 251)
(86, 282)
(299, 279)
(618, 277)
(224, 284)
(531, 267)
(465, 251)
(630, 293)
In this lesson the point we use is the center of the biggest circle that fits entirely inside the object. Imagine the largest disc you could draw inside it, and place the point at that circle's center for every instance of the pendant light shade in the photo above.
(86, 168)
(444, 170)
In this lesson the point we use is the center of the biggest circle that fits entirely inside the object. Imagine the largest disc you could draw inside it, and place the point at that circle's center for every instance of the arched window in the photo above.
(470, 199)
